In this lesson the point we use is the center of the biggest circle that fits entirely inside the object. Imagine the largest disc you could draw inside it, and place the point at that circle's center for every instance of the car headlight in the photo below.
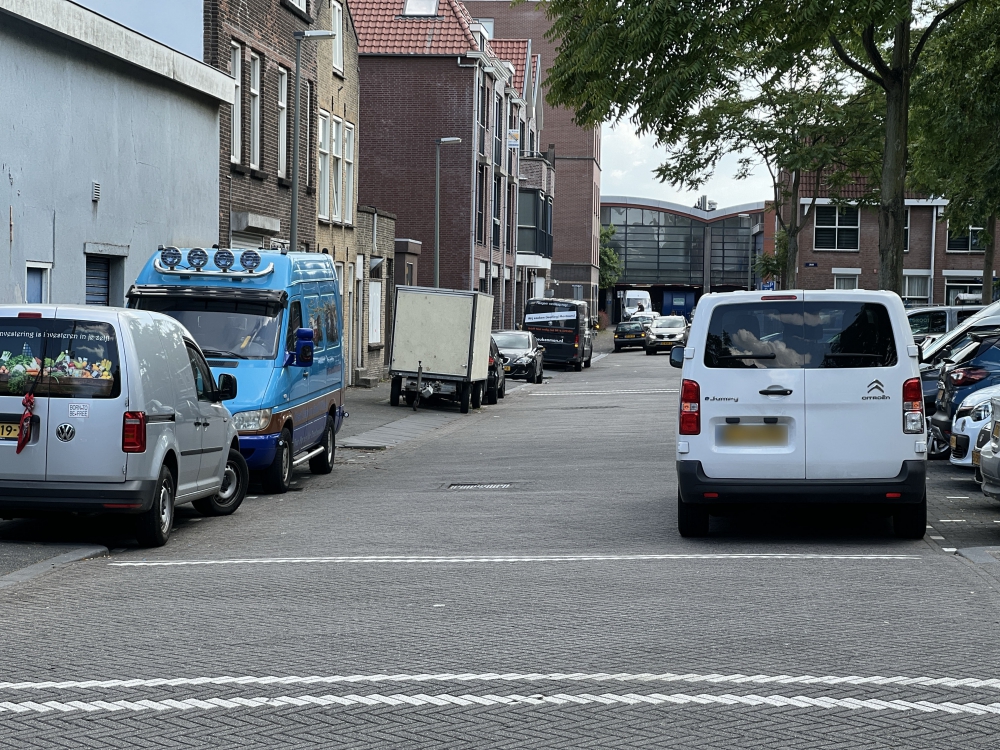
(982, 411)
(522, 360)
(251, 421)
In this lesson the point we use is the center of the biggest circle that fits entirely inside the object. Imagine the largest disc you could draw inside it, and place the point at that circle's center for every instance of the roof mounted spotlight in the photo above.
(224, 259)
(250, 260)
(170, 256)
(197, 258)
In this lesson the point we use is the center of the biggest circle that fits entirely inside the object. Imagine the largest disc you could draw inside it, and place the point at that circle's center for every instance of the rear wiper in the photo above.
(748, 356)
(221, 353)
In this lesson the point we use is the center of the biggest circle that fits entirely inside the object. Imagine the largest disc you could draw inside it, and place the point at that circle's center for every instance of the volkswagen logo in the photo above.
(65, 432)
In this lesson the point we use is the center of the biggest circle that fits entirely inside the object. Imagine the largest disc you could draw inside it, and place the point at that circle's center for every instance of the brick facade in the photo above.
(374, 233)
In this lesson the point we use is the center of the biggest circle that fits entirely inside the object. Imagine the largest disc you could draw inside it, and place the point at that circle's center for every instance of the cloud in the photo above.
(176, 23)
(628, 161)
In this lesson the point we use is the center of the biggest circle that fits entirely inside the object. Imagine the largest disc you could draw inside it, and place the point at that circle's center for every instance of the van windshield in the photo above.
(224, 328)
(58, 358)
(807, 335)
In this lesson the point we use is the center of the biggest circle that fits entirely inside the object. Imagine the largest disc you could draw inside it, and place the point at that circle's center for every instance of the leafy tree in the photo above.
(956, 107)
(772, 267)
(657, 62)
(611, 266)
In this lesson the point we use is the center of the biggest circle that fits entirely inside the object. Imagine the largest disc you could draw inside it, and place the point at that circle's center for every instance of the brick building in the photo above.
(429, 72)
(372, 292)
(576, 221)
(252, 41)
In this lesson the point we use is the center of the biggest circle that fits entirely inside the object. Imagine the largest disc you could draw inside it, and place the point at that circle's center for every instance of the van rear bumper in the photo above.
(909, 484)
(37, 497)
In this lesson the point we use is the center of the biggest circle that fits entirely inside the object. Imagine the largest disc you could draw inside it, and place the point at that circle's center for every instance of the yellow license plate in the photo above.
(506, 368)
(630, 335)
(8, 430)
(752, 434)
(975, 458)
(954, 441)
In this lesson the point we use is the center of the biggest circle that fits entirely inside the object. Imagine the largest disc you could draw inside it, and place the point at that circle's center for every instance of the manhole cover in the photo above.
(497, 486)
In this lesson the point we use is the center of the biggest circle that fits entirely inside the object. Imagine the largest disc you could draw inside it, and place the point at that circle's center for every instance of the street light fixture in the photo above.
(437, 205)
(299, 36)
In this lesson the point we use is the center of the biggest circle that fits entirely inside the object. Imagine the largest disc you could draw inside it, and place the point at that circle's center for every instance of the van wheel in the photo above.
(323, 463)
(910, 521)
(394, 390)
(578, 366)
(152, 528)
(466, 392)
(232, 491)
(278, 476)
(477, 394)
(692, 520)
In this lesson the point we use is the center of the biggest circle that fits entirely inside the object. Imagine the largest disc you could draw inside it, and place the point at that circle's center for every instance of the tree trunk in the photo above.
(792, 233)
(891, 217)
(991, 227)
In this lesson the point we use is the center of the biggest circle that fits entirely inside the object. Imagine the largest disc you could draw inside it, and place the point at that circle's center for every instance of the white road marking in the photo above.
(557, 699)
(415, 560)
(949, 549)
(952, 520)
(937, 537)
(971, 683)
(956, 497)
(603, 393)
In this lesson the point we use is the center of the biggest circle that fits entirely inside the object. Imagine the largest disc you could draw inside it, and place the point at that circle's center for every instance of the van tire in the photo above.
(152, 527)
(692, 519)
(464, 397)
(394, 390)
(477, 394)
(578, 366)
(232, 492)
(910, 521)
(323, 463)
(278, 476)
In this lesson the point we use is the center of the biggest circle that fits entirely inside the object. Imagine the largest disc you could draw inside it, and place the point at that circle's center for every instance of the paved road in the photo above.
(381, 606)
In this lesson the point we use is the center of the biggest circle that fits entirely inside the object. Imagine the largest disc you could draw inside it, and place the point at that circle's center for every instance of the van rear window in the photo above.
(550, 315)
(800, 335)
(58, 358)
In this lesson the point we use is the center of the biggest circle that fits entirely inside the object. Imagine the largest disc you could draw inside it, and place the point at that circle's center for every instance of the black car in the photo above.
(629, 333)
(522, 354)
(496, 380)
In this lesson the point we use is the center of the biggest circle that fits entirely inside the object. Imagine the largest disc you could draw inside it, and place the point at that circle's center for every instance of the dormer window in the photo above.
(420, 8)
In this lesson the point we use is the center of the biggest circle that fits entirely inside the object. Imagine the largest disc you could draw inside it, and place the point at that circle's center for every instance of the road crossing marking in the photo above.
(603, 393)
(420, 560)
(514, 700)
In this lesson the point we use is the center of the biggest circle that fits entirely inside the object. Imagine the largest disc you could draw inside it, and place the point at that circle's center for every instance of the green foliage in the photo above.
(772, 267)
(611, 266)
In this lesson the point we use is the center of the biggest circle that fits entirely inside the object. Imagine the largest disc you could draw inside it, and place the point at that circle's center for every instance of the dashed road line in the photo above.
(420, 560)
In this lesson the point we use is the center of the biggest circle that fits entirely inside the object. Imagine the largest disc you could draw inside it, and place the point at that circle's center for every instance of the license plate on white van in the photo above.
(8, 430)
(756, 435)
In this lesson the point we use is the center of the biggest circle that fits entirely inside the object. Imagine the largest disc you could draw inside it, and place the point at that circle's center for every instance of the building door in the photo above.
(98, 280)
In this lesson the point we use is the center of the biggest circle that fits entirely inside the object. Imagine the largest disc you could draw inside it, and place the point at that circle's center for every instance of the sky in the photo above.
(627, 160)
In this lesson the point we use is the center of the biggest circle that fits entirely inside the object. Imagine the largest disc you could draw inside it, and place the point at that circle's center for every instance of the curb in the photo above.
(45, 566)
(979, 555)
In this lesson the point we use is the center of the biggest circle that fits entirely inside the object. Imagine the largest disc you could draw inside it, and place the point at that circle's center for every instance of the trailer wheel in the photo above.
(394, 390)
(410, 398)
(477, 395)
(463, 404)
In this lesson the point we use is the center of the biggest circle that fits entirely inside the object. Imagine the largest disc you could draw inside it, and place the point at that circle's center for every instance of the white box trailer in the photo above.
(440, 345)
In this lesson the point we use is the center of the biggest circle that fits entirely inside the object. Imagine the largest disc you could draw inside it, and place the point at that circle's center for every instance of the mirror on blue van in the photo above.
(227, 387)
(303, 347)
(677, 356)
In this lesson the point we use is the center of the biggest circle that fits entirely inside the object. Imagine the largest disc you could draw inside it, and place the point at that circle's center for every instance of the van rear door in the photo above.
(22, 348)
(752, 391)
(557, 327)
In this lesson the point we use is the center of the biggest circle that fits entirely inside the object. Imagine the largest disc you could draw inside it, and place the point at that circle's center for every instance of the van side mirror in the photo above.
(227, 388)
(677, 356)
(303, 348)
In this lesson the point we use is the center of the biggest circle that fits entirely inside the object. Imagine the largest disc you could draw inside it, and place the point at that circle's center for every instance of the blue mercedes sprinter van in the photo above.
(273, 320)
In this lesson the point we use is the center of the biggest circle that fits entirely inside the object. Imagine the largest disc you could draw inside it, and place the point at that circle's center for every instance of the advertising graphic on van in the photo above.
(563, 325)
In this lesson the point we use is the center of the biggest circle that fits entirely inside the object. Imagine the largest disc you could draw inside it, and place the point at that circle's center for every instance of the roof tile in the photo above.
(384, 30)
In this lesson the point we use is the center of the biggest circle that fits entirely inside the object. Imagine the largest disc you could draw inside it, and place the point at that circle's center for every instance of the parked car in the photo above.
(977, 451)
(971, 416)
(646, 318)
(665, 333)
(975, 367)
(989, 456)
(126, 418)
(522, 355)
(629, 333)
(801, 397)
(930, 322)
(934, 355)
(496, 381)
(563, 326)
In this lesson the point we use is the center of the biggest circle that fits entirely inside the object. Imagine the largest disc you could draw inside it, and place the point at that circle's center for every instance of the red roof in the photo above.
(384, 30)
(514, 51)
(855, 190)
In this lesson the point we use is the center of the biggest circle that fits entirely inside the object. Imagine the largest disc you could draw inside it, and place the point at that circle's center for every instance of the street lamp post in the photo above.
(437, 206)
(299, 36)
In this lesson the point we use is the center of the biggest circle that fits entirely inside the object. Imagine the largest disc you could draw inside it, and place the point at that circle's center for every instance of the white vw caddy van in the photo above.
(126, 418)
(800, 397)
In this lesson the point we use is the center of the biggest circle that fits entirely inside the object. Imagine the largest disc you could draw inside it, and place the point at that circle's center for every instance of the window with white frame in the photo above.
(338, 29)
(374, 312)
(837, 228)
(235, 141)
(254, 112)
(968, 241)
(282, 122)
(845, 281)
(348, 173)
(420, 8)
(324, 165)
(916, 288)
(300, 4)
(338, 166)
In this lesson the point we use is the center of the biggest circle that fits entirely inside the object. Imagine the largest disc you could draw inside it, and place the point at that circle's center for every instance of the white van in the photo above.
(633, 299)
(801, 396)
(126, 418)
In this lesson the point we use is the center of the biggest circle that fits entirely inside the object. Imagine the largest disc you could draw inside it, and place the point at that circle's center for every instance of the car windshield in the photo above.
(669, 322)
(225, 328)
(513, 340)
(934, 349)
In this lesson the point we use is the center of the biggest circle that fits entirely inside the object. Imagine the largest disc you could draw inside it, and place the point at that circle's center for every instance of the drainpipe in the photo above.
(930, 287)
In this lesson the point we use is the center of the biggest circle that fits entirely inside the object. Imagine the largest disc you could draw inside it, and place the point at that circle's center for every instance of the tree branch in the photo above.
(955, 6)
(874, 53)
(853, 64)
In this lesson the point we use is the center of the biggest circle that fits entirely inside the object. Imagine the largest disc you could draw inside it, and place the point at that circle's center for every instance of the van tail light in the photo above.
(29, 315)
(576, 341)
(967, 375)
(690, 408)
(913, 407)
(134, 432)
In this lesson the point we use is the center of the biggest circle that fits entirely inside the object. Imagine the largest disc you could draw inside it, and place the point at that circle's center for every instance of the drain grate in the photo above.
(498, 486)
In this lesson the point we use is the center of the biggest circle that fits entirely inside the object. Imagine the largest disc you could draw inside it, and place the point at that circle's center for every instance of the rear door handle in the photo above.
(776, 390)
